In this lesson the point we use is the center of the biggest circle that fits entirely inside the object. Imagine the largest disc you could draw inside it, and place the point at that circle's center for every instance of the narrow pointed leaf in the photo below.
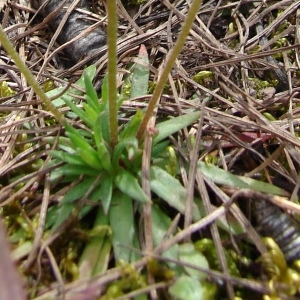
(122, 223)
(132, 126)
(170, 190)
(63, 213)
(160, 225)
(72, 170)
(223, 177)
(220, 176)
(102, 147)
(104, 121)
(83, 148)
(73, 159)
(140, 76)
(91, 95)
(95, 257)
(173, 125)
(91, 157)
(119, 149)
(91, 113)
(159, 148)
(104, 90)
(89, 71)
(78, 111)
(264, 187)
(129, 185)
(105, 192)
(78, 191)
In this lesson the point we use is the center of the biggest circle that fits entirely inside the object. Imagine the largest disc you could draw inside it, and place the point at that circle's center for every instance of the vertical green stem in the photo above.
(29, 76)
(169, 65)
(112, 69)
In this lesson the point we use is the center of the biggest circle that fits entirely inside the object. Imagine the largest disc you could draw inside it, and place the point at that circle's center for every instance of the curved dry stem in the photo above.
(29, 76)
(169, 65)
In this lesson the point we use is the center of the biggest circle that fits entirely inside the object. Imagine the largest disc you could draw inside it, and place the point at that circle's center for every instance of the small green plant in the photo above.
(106, 165)
(102, 172)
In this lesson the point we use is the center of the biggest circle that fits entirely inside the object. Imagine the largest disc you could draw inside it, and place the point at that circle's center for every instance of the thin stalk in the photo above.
(169, 65)
(112, 28)
(29, 76)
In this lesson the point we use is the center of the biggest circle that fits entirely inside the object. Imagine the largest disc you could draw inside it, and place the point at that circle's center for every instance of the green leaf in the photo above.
(51, 217)
(91, 113)
(73, 170)
(129, 185)
(91, 157)
(122, 223)
(58, 101)
(78, 191)
(140, 76)
(101, 144)
(104, 125)
(105, 192)
(160, 226)
(93, 197)
(105, 93)
(79, 112)
(170, 190)
(125, 143)
(91, 95)
(62, 215)
(188, 254)
(72, 159)
(98, 132)
(137, 254)
(83, 148)
(66, 149)
(61, 140)
(95, 257)
(264, 187)
(89, 71)
(159, 148)
(173, 125)
(22, 250)
(222, 177)
(132, 126)
(104, 256)
(186, 288)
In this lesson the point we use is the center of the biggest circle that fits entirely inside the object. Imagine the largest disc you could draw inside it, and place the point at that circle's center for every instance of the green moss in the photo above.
(5, 90)
(130, 281)
(203, 77)
(207, 247)
(260, 85)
